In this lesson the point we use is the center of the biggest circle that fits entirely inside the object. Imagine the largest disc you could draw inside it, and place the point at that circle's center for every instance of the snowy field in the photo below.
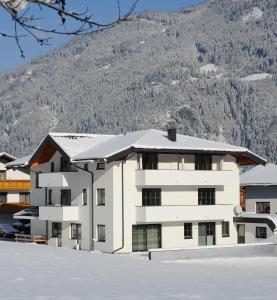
(43, 273)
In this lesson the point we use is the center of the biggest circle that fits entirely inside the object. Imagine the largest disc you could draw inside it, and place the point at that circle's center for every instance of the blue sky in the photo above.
(104, 11)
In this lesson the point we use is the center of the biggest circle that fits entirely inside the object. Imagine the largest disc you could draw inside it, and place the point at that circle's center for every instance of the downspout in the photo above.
(122, 208)
(92, 205)
(122, 202)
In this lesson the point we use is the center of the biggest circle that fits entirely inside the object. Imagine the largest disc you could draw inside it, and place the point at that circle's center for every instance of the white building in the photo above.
(136, 191)
(259, 190)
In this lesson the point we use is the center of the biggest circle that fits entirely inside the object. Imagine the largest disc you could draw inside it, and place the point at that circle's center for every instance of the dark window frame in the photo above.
(56, 229)
(84, 197)
(203, 162)
(206, 196)
(100, 166)
(3, 172)
(99, 238)
(25, 194)
(4, 194)
(150, 161)
(37, 180)
(97, 195)
(263, 207)
(52, 167)
(65, 165)
(50, 197)
(261, 232)
(225, 230)
(188, 234)
(67, 200)
(151, 196)
(77, 233)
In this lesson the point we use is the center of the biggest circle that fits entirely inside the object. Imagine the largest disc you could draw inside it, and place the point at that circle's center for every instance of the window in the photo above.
(100, 166)
(149, 161)
(188, 230)
(263, 207)
(65, 197)
(24, 197)
(65, 165)
(85, 197)
(101, 233)
(50, 201)
(225, 229)
(101, 197)
(56, 229)
(86, 167)
(37, 180)
(76, 231)
(203, 162)
(206, 196)
(52, 167)
(3, 197)
(2, 175)
(151, 197)
(261, 233)
(146, 237)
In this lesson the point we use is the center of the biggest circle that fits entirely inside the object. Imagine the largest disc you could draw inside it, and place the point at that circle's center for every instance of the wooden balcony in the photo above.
(15, 185)
(13, 207)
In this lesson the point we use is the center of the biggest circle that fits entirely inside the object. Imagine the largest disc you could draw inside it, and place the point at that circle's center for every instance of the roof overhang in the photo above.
(45, 151)
(244, 158)
(256, 220)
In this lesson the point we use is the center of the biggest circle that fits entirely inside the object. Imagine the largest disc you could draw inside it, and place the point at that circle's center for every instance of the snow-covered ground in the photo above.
(36, 272)
(255, 77)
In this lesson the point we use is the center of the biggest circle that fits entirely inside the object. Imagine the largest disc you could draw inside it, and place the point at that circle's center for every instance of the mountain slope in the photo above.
(211, 68)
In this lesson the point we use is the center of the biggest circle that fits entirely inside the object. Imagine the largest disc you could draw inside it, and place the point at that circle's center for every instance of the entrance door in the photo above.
(206, 234)
(146, 237)
(241, 233)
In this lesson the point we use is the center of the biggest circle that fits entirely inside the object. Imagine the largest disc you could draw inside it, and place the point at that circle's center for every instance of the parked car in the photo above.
(7, 230)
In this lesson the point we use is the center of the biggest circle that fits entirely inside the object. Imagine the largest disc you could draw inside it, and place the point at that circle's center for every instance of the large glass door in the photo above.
(146, 237)
(241, 233)
(206, 234)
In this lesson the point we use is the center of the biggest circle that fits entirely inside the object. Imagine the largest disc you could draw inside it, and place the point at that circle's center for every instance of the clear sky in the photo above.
(103, 10)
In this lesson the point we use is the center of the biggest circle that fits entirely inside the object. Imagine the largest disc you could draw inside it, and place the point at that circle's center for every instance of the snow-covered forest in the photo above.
(211, 68)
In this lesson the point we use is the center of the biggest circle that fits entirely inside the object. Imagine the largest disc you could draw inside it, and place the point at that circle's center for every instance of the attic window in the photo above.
(100, 166)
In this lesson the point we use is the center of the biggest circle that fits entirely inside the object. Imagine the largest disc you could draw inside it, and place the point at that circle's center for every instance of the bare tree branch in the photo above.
(28, 23)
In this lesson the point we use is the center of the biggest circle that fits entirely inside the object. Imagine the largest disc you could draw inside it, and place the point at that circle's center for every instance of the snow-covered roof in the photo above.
(20, 162)
(84, 147)
(158, 140)
(75, 143)
(260, 175)
(7, 155)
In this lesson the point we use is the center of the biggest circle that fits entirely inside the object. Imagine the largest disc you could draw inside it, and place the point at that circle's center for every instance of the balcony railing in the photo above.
(15, 185)
(185, 178)
(60, 179)
(183, 213)
(59, 213)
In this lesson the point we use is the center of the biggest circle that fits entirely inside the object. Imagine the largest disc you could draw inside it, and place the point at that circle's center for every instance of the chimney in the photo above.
(171, 133)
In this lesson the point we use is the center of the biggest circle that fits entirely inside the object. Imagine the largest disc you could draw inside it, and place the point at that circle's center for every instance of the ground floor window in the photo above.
(101, 229)
(225, 229)
(188, 230)
(76, 231)
(56, 229)
(261, 233)
(146, 237)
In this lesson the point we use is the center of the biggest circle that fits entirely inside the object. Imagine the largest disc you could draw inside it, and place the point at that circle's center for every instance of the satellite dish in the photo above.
(237, 210)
